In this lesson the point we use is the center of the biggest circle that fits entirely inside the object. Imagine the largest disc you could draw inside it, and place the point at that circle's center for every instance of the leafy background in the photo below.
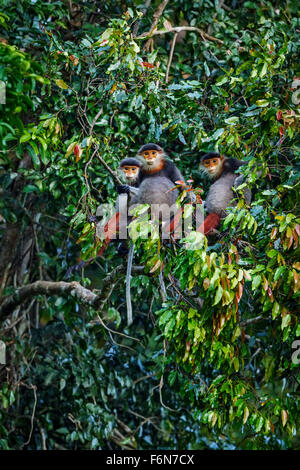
(210, 365)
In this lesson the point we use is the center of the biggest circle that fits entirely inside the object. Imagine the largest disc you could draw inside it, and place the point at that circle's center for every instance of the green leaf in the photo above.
(218, 295)
(61, 84)
(256, 281)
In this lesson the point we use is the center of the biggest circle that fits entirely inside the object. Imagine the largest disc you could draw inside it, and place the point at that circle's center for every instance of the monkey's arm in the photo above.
(246, 191)
(126, 189)
(173, 173)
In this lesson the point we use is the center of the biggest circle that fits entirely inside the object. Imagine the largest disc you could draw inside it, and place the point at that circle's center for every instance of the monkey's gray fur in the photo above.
(221, 195)
(158, 191)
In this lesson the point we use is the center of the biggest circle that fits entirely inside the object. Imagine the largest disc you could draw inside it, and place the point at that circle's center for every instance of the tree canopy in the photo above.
(212, 362)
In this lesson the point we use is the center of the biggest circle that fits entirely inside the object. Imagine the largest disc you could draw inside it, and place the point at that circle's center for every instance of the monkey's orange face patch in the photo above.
(130, 171)
(150, 155)
(213, 165)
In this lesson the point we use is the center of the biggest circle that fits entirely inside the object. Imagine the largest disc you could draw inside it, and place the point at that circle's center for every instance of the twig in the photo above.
(171, 56)
(44, 447)
(145, 420)
(252, 357)
(158, 14)
(160, 387)
(5, 275)
(144, 377)
(178, 29)
(95, 120)
(117, 180)
(110, 331)
(33, 387)
(254, 320)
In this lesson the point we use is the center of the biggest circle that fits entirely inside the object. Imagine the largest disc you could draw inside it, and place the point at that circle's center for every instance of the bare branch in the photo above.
(171, 56)
(254, 320)
(117, 180)
(95, 119)
(158, 14)
(156, 17)
(178, 29)
(65, 289)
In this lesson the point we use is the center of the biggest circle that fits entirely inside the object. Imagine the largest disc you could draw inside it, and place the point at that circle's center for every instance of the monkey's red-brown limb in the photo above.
(210, 222)
(174, 223)
(110, 230)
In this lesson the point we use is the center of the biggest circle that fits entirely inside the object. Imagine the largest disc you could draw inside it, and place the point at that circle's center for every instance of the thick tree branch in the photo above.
(178, 29)
(65, 289)
(156, 17)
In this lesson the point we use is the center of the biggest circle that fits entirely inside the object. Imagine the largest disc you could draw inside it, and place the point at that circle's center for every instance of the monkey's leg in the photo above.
(128, 279)
(210, 222)
(173, 225)
(110, 230)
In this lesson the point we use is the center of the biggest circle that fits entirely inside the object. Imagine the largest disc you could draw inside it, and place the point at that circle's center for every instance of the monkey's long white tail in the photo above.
(163, 291)
(128, 279)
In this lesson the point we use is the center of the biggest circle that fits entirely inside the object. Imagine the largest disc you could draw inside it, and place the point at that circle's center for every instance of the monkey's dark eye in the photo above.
(214, 161)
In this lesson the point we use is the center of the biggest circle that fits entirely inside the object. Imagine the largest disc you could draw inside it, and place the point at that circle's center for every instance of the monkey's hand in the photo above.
(123, 189)
(92, 218)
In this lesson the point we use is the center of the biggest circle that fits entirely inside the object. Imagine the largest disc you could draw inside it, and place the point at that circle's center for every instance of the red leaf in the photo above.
(148, 65)
(279, 115)
(77, 152)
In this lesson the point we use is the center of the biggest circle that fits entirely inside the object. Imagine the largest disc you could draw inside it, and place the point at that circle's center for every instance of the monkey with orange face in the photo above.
(220, 195)
(130, 168)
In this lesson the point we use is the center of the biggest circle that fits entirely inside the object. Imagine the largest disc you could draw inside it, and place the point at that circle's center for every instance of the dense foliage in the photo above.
(85, 85)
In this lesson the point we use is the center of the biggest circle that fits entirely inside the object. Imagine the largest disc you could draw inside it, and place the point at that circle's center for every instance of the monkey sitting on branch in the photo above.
(157, 181)
(220, 195)
(130, 168)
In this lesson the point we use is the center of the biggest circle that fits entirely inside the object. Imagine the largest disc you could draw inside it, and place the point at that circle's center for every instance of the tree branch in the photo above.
(178, 29)
(254, 320)
(117, 180)
(156, 17)
(65, 289)
(171, 56)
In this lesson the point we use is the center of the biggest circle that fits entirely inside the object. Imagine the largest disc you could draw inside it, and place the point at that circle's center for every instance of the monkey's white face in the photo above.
(213, 166)
(151, 158)
(131, 173)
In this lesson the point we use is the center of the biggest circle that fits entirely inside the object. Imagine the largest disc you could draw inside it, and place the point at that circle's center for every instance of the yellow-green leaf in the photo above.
(61, 84)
